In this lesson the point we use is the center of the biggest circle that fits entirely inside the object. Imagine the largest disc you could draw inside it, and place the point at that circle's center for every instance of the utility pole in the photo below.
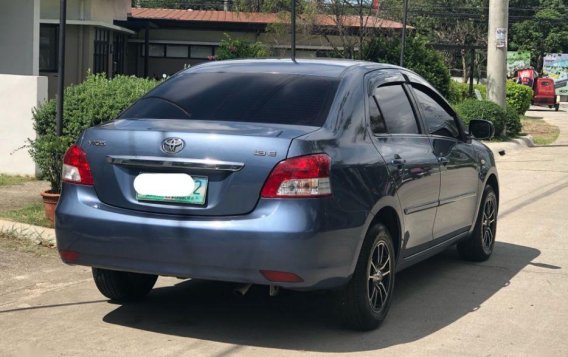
(497, 51)
(403, 39)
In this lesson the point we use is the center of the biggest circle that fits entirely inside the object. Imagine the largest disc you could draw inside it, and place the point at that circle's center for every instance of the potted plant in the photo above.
(96, 100)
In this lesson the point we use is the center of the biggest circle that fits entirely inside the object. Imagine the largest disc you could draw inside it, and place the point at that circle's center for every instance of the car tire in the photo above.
(479, 246)
(365, 301)
(123, 286)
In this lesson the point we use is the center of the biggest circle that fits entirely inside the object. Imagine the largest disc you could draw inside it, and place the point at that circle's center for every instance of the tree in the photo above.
(419, 57)
(447, 24)
(546, 32)
(232, 49)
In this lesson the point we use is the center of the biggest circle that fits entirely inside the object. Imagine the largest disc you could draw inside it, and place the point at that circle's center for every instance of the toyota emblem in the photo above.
(172, 145)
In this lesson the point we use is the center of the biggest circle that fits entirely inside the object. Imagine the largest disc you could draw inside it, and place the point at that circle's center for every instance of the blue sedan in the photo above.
(301, 175)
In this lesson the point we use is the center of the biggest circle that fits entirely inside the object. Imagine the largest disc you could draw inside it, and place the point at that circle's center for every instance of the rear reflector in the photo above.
(281, 276)
(69, 256)
(298, 177)
(76, 168)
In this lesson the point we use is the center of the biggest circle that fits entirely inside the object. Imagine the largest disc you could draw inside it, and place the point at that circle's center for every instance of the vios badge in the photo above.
(172, 145)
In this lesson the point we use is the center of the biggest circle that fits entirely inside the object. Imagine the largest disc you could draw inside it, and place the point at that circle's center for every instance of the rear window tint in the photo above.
(243, 97)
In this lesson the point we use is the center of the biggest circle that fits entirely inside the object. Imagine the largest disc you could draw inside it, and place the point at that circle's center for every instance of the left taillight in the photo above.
(299, 177)
(76, 168)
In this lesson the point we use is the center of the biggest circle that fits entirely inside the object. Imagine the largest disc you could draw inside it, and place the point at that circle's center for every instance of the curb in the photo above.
(36, 234)
(524, 142)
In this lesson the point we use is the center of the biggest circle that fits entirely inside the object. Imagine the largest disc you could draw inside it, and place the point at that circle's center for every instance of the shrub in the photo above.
(419, 57)
(231, 49)
(483, 109)
(92, 102)
(519, 97)
(513, 125)
(460, 91)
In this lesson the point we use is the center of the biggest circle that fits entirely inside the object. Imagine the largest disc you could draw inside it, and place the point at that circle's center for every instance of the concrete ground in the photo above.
(514, 304)
(19, 196)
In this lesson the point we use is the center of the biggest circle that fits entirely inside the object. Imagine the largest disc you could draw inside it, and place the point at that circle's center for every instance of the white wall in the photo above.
(95, 10)
(19, 37)
(18, 95)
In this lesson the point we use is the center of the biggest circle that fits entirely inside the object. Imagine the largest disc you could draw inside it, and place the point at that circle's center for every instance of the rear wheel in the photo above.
(123, 286)
(479, 246)
(365, 301)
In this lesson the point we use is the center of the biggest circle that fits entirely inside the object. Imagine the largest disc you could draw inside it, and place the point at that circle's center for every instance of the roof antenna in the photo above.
(293, 44)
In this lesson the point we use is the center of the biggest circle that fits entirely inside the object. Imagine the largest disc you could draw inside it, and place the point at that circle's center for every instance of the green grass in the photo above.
(542, 132)
(32, 214)
(6, 180)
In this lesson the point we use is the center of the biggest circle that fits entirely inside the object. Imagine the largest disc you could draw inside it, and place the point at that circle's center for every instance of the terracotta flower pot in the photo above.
(49, 202)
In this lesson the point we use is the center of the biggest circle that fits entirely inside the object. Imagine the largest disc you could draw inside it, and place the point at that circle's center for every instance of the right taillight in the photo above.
(299, 177)
(76, 168)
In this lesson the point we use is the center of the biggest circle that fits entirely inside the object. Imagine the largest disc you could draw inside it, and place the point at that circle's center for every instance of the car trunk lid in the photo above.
(231, 159)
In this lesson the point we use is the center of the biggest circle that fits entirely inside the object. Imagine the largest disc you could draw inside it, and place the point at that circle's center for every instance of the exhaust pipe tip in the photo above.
(242, 290)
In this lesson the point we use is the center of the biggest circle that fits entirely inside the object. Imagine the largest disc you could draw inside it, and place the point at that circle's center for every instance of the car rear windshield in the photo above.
(243, 97)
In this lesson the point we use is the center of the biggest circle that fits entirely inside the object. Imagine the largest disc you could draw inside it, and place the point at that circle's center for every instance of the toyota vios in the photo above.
(301, 175)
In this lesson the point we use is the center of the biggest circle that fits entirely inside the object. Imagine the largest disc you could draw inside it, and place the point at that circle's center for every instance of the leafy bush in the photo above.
(519, 97)
(92, 102)
(483, 109)
(514, 125)
(231, 49)
(460, 91)
(419, 57)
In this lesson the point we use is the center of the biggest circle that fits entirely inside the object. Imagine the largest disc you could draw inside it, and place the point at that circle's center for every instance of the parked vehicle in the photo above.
(301, 175)
(543, 88)
(545, 93)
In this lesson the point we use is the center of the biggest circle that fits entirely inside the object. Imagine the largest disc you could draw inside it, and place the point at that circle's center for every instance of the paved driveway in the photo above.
(514, 304)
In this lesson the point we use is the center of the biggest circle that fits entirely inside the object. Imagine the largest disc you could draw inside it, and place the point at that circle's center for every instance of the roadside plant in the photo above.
(514, 125)
(519, 97)
(482, 109)
(96, 100)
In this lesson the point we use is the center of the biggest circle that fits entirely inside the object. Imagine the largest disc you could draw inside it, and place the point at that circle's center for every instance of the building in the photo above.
(180, 38)
(111, 37)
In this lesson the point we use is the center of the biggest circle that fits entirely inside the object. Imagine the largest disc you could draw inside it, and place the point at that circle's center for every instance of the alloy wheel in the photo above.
(380, 274)
(488, 221)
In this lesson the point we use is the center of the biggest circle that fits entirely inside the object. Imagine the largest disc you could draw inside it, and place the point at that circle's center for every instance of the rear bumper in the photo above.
(296, 236)
(544, 100)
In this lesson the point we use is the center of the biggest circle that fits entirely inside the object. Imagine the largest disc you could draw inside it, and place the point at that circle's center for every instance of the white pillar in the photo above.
(497, 51)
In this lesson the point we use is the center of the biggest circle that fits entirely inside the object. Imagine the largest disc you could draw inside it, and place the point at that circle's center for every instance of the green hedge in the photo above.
(92, 102)
(514, 125)
(483, 109)
(518, 96)
(460, 92)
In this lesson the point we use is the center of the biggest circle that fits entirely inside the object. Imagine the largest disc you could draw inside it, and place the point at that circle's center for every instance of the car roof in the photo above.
(317, 67)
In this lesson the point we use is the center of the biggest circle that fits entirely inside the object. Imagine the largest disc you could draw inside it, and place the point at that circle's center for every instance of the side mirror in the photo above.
(481, 129)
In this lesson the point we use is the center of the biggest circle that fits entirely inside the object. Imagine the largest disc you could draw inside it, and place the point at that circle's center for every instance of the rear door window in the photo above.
(396, 110)
(243, 97)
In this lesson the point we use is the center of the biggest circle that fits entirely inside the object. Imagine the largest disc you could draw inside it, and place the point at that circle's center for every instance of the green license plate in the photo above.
(196, 198)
